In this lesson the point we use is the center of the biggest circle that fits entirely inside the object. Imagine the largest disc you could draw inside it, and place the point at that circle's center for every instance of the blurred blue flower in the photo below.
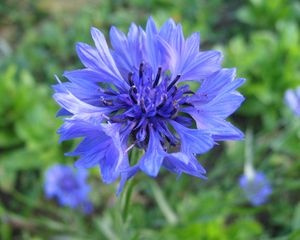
(68, 186)
(256, 188)
(154, 90)
(292, 100)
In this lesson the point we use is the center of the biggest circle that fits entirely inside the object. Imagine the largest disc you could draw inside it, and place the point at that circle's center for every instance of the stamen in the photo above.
(170, 141)
(157, 77)
(129, 148)
(105, 102)
(105, 117)
(132, 95)
(173, 82)
(159, 106)
(189, 92)
(134, 89)
(175, 91)
(174, 113)
(167, 134)
(131, 83)
(141, 70)
(186, 104)
(110, 93)
(142, 104)
(116, 119)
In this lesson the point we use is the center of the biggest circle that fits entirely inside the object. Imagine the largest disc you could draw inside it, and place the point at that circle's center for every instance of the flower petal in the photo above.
(203, 65)
(223, 106)
(99, 76)
(125, 176)
(166, 31)
(292, 100)
(63, 112)
(75, 106)
(151, 162)
(123, 45)
(88, 56)
(175, 163)
(151, 44)
(178, 39)
(103, 148)
(193, 141)
(88, 92)
(121, 49)
(211, 87)
(104, 51)
(220, 129)
(81, 125)
(91, 152)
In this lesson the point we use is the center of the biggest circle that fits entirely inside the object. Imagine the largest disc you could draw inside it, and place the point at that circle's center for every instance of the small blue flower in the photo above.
(68, 186)
(292, 100)
(138, 95)
(256, 188)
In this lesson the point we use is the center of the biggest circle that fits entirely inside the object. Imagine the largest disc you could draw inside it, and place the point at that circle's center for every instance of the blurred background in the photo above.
(259, 37)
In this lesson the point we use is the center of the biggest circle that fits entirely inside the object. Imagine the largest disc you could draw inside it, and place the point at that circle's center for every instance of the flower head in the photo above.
(292, 100)
(256, 188)
(68, 187)
(154, 90)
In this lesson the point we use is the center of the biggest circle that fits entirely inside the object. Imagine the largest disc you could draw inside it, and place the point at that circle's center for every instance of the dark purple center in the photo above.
(152, 100)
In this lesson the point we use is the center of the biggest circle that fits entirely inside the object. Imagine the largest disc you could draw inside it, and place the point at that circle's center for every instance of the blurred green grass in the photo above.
(260, 38)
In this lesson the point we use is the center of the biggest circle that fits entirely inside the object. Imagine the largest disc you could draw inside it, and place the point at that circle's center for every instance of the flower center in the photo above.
(68, 183)
(155, 97)
(152, 99)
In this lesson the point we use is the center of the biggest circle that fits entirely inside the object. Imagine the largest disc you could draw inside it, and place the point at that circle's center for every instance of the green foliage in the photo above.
(270, 63)
(267, 14)
(260, 38)
(27, 116)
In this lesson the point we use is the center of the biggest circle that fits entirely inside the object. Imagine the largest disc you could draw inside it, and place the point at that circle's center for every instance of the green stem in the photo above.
(126, 199)
(248, 167)
(165, 208)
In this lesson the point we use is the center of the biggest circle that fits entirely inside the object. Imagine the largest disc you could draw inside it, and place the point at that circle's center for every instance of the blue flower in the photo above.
(154, 90)
(68, 187)
(256, 188)
(292, 100)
